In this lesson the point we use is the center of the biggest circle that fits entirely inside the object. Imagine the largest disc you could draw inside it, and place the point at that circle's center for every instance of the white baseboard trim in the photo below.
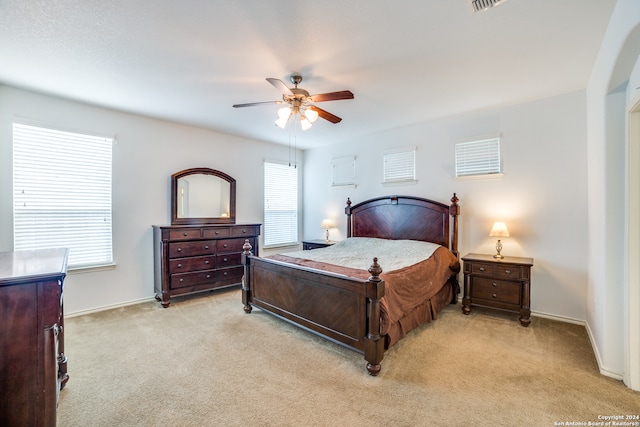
(559, 318)
(108, 307)
(603, 371)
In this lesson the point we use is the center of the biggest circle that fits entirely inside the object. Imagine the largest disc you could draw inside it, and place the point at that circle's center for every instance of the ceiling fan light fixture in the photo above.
(305, 123)
(282, 122)
(311, 115)
(284, 113)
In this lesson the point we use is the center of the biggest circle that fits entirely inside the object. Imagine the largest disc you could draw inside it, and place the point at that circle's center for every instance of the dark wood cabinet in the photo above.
(197, 258)
(504, 284)
(33, 366)
(315, 244)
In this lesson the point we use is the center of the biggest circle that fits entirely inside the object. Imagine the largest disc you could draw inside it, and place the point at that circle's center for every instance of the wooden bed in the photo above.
(344, 308)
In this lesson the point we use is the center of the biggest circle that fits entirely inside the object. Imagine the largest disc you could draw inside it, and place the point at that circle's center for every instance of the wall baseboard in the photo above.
(108, 307)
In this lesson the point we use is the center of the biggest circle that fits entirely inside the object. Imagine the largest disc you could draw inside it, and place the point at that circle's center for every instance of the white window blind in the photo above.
(62, 193)
(343, 171)
(280, 204)
(480, 157)
(400, 165)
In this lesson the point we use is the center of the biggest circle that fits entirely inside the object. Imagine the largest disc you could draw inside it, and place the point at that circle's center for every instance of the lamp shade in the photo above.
(326, 224)
(499, 229)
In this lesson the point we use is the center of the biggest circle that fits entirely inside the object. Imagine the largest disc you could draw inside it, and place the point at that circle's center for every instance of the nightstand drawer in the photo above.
(508, 272)
(496, 290)
(484, 269)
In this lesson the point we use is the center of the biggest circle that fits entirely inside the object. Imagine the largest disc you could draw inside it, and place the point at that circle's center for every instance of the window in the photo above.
(343, 171)
(400, 165)
(481, 157)
(280, 204)
(62, 194)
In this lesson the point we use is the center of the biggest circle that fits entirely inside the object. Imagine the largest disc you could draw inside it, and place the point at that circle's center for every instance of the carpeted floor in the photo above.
(204, 362)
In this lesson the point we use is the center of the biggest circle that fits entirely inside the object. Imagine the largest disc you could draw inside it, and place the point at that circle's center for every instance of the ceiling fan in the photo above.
(300, 104)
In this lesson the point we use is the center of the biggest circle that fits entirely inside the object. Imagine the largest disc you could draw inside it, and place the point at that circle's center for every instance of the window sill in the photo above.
(91, 268)
(479, 177)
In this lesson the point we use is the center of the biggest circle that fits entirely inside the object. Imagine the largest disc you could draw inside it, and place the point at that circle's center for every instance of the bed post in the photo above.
(347, 211)
(454, 211)
(246, 278)
(374, 342)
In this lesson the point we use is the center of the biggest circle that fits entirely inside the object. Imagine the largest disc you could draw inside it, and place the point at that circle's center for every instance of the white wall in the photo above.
(608, 94)
(542, 196)
(147, 152)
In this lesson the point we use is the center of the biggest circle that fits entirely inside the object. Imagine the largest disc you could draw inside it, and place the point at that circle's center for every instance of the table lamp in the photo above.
(499, 230)
(327, 224)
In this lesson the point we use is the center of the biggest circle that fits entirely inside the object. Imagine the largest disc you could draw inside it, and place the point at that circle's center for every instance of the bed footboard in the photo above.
(342, 309)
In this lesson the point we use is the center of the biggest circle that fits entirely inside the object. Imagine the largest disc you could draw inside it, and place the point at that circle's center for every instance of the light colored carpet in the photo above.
(204, 362)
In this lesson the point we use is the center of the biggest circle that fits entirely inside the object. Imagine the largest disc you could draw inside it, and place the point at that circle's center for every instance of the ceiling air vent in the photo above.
(480, 5)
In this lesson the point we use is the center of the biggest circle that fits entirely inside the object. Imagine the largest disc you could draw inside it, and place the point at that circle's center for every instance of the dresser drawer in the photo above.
(231, 275)
(185, 234)
(184, 249)
(496, 290)
(222, 277)
(228, 260)
(245, 231)
(184, 265)
(230, 245)
(182, 280)
(216, 233)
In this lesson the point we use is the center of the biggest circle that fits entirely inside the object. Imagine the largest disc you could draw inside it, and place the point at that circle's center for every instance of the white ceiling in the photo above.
(406, 61)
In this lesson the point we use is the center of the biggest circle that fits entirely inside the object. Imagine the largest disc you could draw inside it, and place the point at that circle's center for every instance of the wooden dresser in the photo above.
(196, 258)
(504, 284)
(33, 367)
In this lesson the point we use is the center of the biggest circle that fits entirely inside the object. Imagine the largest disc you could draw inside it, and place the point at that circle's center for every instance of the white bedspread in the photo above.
(358, 252)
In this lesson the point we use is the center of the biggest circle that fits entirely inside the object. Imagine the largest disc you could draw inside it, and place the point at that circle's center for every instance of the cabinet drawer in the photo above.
(496, 290)
(482, 268)
(230, 245)
(184, 265)
(184, 234)
(228, 260)
(184, 249)
(216, 233)
(244, 231)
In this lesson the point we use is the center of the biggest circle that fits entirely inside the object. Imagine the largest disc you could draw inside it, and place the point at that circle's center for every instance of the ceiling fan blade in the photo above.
(326, 115)
(252, 104)
(332, 96)
(279, 84)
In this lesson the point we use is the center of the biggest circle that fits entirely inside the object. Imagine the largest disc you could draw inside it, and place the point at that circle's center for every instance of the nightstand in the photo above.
(504, 284)
(315, 244)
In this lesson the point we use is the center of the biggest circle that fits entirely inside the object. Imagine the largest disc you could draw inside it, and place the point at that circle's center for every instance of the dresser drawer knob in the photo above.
(225, 273)
(225, 245)
(244, 231)
(206, 246)
(224, 259)
(494, 295)
(481, 268)
(179, 265)
(507, 271)
(206, 262)
(217, 232)
(184, 234)
(181, 280)
(179, 249)
(208, 276)
(494, 284)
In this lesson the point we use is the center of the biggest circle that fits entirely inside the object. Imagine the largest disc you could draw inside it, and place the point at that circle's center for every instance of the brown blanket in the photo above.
(413, 295)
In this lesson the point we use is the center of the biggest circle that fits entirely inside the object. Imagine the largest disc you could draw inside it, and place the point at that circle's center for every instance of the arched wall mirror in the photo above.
(202, 196)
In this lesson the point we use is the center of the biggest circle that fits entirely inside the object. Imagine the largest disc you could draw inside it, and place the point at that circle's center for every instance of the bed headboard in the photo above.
(405, 217)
